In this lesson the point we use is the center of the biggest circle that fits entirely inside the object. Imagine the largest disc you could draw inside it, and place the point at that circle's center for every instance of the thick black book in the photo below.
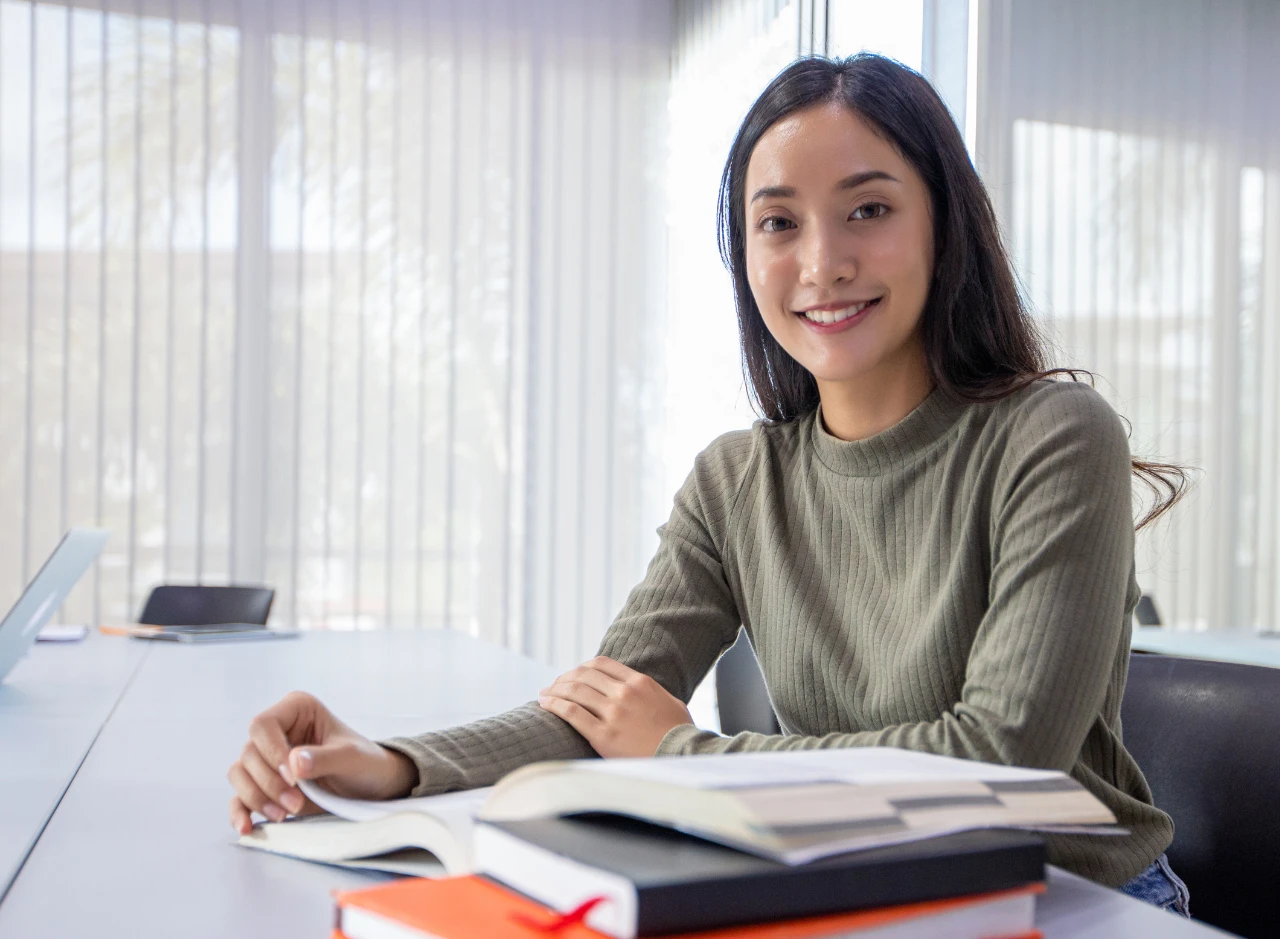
(661, 881)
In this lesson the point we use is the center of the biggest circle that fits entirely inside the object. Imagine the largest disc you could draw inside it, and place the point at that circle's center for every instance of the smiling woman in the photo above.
(928, 540)
(838, 263)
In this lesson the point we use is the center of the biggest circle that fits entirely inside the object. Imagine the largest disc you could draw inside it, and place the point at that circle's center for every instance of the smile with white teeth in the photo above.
(836, 316)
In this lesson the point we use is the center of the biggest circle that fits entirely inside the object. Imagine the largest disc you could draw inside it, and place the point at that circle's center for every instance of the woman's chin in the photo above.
(841, 373)
(869, 361)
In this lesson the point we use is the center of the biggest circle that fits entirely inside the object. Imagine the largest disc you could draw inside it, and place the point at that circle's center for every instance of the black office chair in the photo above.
(741, 696)
(1146, 613)
(1206, 736)
(191, 605)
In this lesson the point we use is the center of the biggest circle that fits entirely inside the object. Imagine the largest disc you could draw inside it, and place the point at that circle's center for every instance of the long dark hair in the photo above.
(979, 339)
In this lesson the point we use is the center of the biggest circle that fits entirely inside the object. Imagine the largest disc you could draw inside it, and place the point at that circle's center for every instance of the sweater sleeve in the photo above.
(1061, 582)
(673, 627)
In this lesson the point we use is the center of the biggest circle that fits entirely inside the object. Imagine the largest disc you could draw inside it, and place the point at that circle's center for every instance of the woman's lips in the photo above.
(847, 323)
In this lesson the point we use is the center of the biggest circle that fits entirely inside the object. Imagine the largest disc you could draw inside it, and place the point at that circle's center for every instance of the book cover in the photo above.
(474, 908)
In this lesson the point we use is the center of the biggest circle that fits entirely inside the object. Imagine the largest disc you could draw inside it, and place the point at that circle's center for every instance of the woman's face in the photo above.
(839, 245)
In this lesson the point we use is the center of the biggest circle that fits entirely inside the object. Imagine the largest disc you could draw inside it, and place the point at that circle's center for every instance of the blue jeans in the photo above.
(1160, 886)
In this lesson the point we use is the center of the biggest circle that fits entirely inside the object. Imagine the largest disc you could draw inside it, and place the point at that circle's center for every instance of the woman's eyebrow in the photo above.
(849, 182)
(857, 179)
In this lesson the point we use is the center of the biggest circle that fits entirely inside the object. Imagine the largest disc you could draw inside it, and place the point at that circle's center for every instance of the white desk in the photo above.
(1241, 647)
(140, 845)
(52, 705)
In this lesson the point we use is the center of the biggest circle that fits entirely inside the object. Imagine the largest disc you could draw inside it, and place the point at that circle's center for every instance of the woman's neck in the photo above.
(863, 407)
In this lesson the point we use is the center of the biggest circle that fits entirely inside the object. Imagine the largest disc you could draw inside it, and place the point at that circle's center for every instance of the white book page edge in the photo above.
(859, 765)
(447, 807)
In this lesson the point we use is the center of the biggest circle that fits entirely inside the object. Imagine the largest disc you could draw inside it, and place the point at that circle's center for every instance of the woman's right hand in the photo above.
(298, 738)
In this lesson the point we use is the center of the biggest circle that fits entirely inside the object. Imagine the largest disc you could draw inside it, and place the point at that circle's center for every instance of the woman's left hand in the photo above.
(621, 712)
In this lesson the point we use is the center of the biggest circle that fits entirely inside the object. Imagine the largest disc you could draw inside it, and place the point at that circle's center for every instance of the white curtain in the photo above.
(1133, 150)
(413, 309)
(362, 300)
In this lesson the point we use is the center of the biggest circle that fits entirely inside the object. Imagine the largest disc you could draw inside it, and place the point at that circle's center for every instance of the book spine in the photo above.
(816, 890)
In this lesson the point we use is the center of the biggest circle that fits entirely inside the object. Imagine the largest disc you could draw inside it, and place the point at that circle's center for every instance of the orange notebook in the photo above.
(475, 908)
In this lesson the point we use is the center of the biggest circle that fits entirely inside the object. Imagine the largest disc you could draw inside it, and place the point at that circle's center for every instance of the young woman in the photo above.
(928, 539)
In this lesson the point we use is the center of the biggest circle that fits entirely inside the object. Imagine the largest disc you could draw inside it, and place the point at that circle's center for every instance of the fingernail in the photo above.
(304, 759)
(283, 770)
(273, 812)
(292, 801)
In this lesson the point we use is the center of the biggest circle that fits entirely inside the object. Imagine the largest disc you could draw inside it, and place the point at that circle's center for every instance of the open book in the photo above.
(424, 837)
(789, 806)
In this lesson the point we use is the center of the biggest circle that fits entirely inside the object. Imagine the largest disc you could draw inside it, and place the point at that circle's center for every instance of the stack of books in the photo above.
(861, 843)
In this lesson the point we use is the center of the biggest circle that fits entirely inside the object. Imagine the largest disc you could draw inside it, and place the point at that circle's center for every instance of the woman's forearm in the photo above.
(482, 752)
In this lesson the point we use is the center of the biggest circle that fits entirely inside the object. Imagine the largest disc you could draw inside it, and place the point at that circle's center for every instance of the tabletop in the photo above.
(52, 705)
(1243, 647)
(139, 843)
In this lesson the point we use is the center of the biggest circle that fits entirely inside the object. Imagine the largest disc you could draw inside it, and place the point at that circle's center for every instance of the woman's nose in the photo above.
(824, 259)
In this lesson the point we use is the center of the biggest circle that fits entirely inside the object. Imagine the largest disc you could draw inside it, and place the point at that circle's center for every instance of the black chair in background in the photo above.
(742, 699)
(182, 605)
(1146, 613)
(1207, 736)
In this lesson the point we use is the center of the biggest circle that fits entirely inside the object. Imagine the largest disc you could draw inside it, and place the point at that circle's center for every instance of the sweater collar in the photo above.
(910, 437)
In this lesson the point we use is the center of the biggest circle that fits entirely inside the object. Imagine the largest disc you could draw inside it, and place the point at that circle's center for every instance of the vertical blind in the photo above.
(362, 300)
(1133, 150)
(377, 302)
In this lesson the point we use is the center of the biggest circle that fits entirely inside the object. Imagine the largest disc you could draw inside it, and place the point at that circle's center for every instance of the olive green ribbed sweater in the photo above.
(960, 583)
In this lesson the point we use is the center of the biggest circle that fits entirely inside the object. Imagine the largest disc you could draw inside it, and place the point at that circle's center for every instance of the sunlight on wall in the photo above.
(892, 29)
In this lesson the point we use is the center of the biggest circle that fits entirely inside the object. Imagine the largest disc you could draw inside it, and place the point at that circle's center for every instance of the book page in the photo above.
(795, 806)
(457, 810)
(860, 766)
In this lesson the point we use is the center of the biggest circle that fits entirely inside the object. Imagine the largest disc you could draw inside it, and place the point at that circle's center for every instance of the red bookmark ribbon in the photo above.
(564, 920)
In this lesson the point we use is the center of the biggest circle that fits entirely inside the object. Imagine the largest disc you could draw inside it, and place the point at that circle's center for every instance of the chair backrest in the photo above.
(741, 696)
(1145, 612)
(1207, 736)
(190, 605)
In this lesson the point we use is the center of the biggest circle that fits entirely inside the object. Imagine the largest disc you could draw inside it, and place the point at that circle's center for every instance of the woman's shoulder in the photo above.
(737, 449)
(732, 459)
(1062, 417)
(1057, 404)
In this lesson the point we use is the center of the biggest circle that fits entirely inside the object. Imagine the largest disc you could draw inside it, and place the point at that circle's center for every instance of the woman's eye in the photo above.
(870, 210)
(774, 223)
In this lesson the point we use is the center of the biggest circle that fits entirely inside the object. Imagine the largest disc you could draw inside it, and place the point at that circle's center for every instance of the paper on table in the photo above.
(860, 765)
(62, 632)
